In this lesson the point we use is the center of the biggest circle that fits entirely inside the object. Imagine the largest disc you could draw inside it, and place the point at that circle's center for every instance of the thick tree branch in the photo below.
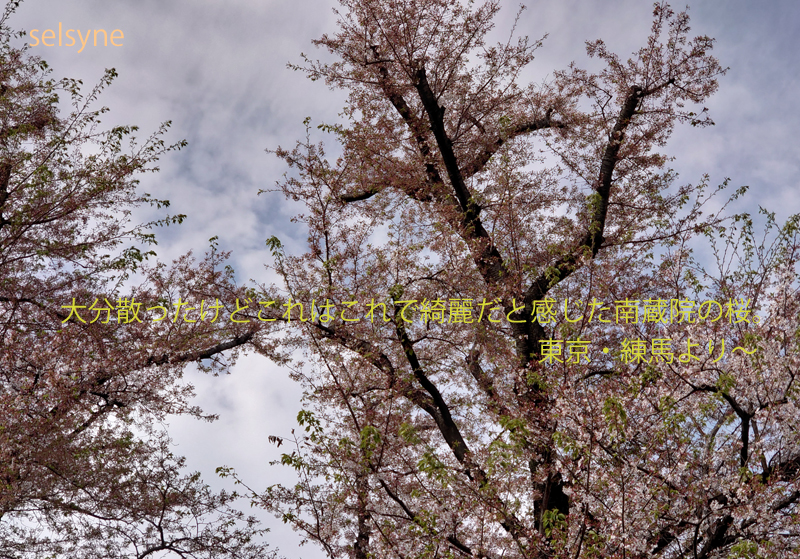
(440, 412)
(196, 356)
(417, 129)
(5, 178)
(588, 247)
(744, 415)
(716, 536)
(359, 196)
(380, 361)
(361, 545)
(790, 499)
(477, 164)
(786, 470)
(436, 117)
(452, 435)
(496, 403)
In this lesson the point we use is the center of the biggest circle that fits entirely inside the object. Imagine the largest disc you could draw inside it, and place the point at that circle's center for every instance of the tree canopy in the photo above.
(509, 348)
(86, 469)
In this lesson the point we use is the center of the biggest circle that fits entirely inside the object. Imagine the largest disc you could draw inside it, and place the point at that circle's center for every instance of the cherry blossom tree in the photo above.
(85, 469)
(509, 349)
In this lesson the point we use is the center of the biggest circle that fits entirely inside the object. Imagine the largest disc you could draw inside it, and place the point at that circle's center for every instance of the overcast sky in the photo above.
(217, 69)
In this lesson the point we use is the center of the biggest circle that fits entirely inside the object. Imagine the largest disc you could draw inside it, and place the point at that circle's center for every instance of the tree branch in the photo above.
(589, 245)
(196, 356)
(451, 433)
(457, 544)
(477, 164)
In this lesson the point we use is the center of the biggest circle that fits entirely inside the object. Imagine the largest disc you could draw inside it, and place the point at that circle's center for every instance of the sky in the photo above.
(217, 70)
